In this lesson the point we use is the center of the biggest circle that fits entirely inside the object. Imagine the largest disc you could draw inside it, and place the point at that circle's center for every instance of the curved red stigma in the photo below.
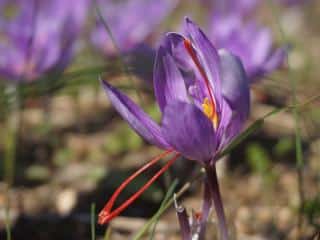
(106, 214)
(191, 51)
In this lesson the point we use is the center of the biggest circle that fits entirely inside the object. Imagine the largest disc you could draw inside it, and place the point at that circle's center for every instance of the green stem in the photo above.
(298, 141)
(155, 217)
(93, 220)
(12, 127)
(124, 66)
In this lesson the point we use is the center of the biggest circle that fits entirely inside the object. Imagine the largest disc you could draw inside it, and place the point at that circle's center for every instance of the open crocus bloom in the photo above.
(250, 42)
(203, 96)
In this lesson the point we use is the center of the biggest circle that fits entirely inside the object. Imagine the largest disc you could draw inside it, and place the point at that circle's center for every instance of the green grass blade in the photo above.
(161, 211)
(125, 68)
(156, 216)
(93, 221)
(295, 112)
(254, 127)
(167, 197)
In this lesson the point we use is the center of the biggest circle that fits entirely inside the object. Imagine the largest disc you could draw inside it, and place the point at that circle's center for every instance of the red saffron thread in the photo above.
(190, 50)
(106, 214)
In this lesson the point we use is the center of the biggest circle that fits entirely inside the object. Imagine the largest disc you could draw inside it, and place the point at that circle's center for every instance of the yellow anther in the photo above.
(210, 111)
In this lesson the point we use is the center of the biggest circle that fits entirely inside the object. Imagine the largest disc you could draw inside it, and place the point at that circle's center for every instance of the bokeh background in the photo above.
(64, 149)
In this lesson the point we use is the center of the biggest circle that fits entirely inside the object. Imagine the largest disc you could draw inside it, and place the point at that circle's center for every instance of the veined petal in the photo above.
(276, 59)
(195, 86)
(168, 82)
(262, 40)
(234, 83)
(235, 91)
(208, 57)
(174, 44)
(135, 116)
(189, 131)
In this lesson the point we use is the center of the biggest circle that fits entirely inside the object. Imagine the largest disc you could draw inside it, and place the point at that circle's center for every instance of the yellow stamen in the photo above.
(210, 111)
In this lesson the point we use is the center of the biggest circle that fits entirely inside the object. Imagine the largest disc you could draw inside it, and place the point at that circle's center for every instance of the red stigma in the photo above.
(191, 51)
(107, 215)
(198, 216)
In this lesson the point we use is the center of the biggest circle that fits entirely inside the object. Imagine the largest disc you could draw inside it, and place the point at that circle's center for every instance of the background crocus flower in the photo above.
(38, 36)
(242, 7)
(130, 21)
(204, 99)
(249, 41)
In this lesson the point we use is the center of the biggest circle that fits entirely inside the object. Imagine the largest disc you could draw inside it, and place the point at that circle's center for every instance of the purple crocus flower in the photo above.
(38, 36)
(130, 21)
(249, 41)
(204, 98)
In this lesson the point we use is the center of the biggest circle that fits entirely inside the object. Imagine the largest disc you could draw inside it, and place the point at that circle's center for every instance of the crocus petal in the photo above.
(276, 59)
(235, 84)
(174, 43)
(168, 82)
(235, 90)
(141, 59)
(131, 21)
(208, 57)
(261, 39)
(135, 116)
(189, 131)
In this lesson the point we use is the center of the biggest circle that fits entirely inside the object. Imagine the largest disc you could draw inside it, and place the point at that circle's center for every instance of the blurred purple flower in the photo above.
(130, 21)
(38, 36)
(292, 2)
(247, 40)
(204, 99)
(241, 7)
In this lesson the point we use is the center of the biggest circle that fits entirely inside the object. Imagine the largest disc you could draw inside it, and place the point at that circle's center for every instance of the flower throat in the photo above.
(208, 105)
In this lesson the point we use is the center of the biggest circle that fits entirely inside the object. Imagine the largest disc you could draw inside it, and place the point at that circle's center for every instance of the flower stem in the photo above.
(216, 196)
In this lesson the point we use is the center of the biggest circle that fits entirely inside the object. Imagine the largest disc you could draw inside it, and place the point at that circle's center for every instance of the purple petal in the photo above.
(141, 59)
(131, 21)
(195, 84)
(189, 131)
(235, 84)
(169, 84)
(276, 59)
(135, 116)
(249, 41)
(262, 42)
(175, 46)
(235, 90)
